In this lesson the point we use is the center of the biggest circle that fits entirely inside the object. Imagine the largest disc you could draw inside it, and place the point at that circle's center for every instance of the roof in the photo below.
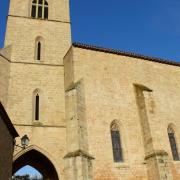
(4, 116)
(123, 53)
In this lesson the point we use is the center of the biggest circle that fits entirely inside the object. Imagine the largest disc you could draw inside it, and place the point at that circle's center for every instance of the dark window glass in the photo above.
(39, 51)
(174, 150)
(45, 12)
(37, 108)
(116, 144)
(39, 11)
(33, 11)
(41, 2)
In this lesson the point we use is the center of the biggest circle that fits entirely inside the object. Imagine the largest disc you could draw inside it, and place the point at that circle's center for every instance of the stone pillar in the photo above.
(156, 160)
(79, 166)
(158, 166)
(78, 160)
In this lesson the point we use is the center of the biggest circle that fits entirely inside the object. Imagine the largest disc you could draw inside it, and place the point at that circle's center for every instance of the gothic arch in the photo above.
(36, 158)
(172, 127)
(39, 93)
(39, 49)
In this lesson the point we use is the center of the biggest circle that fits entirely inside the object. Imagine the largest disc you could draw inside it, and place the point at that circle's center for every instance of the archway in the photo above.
(37, 160)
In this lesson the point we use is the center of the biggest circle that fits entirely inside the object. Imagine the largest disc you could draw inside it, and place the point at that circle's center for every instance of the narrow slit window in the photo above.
(116, 143)
(172, 141)
(37, 107)
(39, 51)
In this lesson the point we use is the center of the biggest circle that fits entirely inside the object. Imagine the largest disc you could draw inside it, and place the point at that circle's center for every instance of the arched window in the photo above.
(39, 45)
(39, 9)
(116, 142)
(39, 51)
(36, 105)
(172, 141)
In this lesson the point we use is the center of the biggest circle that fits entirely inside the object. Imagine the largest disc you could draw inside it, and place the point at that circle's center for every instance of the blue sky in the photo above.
(28, 170)
(146, 27)
(149, 27)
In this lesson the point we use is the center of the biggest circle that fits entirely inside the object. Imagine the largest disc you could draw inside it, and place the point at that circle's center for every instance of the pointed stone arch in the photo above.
(37, 158)
(39, 93)
(39, 50)
(171, 128)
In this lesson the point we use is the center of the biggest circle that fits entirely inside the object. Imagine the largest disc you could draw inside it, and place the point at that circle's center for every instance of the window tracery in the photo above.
(172, 141)
(116, 142)
(39, 9)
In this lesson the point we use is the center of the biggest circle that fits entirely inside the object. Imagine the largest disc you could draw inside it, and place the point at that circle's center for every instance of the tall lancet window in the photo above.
(172, 141)
(39, 51)
(36, 105)
(116, 142)
(39, 45)
(39, 9)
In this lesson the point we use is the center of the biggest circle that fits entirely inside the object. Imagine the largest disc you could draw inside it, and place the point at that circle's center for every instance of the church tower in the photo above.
(38, 21)
(37, 38)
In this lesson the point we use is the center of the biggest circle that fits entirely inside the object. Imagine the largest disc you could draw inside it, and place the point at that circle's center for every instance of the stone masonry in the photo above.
(82, 90)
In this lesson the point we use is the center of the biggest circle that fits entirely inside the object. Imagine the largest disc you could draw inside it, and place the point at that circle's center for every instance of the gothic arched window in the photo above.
(39, 9)
(116, 142)
(172, 141)
(36, 105)
(39, 51)
(39, 45)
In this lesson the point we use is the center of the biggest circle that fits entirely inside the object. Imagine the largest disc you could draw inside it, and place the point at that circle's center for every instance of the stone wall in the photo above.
(26, 75)
(58, 9)
(22, 33)
(49, 133)
(4, 79)
(109, 88)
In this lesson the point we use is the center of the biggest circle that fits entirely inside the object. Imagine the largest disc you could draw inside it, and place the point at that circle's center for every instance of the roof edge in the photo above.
(123, 53)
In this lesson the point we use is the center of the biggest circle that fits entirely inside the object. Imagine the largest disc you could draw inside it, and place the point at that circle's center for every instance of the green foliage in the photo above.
(26, 177)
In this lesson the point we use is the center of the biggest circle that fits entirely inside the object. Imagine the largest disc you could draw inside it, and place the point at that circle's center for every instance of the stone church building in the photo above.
(90, 113)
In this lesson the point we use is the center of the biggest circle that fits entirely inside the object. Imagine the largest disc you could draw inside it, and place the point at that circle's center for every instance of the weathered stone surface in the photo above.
(110, 93)
(82, 95)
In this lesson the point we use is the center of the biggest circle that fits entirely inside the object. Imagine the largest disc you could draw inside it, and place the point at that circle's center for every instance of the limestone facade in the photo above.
(142, 96)
(82, 90)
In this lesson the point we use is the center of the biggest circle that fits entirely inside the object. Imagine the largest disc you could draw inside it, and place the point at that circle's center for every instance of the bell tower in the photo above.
(37, 38)
(32, 20)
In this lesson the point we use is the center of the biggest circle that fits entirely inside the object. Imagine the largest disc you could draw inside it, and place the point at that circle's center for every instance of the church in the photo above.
(91, 113)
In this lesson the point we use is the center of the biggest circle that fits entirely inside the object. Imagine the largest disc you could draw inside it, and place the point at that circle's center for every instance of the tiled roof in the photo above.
(129, 54)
